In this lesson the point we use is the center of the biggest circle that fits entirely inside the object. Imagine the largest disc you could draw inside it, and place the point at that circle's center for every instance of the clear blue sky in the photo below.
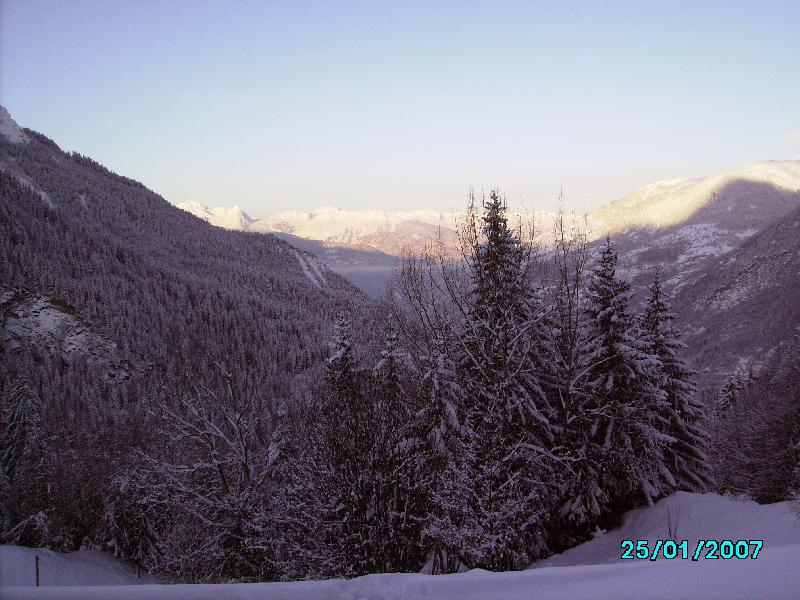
(398, 105)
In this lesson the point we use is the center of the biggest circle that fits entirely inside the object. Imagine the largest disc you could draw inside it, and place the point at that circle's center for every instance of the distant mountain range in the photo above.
(732, 201)
(678, 224)
(727, 244)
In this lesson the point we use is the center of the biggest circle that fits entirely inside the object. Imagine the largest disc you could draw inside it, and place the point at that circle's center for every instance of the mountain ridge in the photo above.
(660, 204)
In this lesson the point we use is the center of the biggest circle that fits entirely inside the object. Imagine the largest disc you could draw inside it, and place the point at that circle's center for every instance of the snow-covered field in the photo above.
(592, 570)
(83, 568)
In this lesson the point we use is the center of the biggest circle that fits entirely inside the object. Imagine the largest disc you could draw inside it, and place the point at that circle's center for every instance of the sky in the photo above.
(404, 105)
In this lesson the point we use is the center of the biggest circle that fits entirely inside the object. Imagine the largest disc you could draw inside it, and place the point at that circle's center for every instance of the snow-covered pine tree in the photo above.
(579, 499)
(732, 388)
(130, 525)
(399, 489)
(623, 445)
(681, 414)
(507, 412)
(728, 392)
(755, 448)
(439, 422)
(437, 443)
(351, 457)
(21, 428)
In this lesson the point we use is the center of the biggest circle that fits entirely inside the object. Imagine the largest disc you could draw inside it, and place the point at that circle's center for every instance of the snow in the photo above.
(667, 203)
(32, 318)
(9, 128)
(227, 218)
(656, 205)
(774, 578)
(590, 571)
(697, 517)
(82, 568)
(386, 231)
(311, 268)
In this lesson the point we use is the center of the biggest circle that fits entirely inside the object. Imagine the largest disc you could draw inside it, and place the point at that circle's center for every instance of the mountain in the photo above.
(680, 223)
(726, 197)
(742, 306)
(387, 232)
(9, 129)
(714, 237)
(228, 218)
(736, 202)
(392, 233)
(98, 272)
(369, 270)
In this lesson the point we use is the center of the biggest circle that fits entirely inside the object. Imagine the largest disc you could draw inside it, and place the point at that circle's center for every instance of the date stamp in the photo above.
(703, 549)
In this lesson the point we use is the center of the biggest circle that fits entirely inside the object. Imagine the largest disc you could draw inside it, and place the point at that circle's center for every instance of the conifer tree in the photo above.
(507, 411)
(400, 486)
(438, 445)
(622, 402)
(680, 416)
(22, 428)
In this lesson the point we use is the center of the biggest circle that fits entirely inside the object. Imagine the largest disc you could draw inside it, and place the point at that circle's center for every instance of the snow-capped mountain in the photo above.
(387, 232)
(679, 224)
(665, 204)
(227, 218)
(700, 217)
(682, 224)
(392, 233)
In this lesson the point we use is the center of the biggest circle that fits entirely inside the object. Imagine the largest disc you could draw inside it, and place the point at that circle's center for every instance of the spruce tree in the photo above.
(622, 403)
(680, 416)
(507, 411)
(399, 488)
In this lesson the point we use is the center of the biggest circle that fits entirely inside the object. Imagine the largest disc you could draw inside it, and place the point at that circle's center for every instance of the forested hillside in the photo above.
(113, 301)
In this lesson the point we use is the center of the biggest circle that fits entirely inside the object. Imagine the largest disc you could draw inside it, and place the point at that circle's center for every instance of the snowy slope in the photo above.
(683, 224)
(34, 320)
(770, 578)
(740, 306)
(227, 218)
(691, 517)
(590, 571)
(82, 568)
(667, 203)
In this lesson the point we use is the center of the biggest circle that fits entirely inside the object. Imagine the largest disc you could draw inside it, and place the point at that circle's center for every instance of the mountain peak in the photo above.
(228, 218)
(9, 128)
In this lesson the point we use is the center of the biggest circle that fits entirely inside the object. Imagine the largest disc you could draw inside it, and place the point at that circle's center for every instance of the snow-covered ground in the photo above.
(83, 568)
(691, 517)
(591, 571)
